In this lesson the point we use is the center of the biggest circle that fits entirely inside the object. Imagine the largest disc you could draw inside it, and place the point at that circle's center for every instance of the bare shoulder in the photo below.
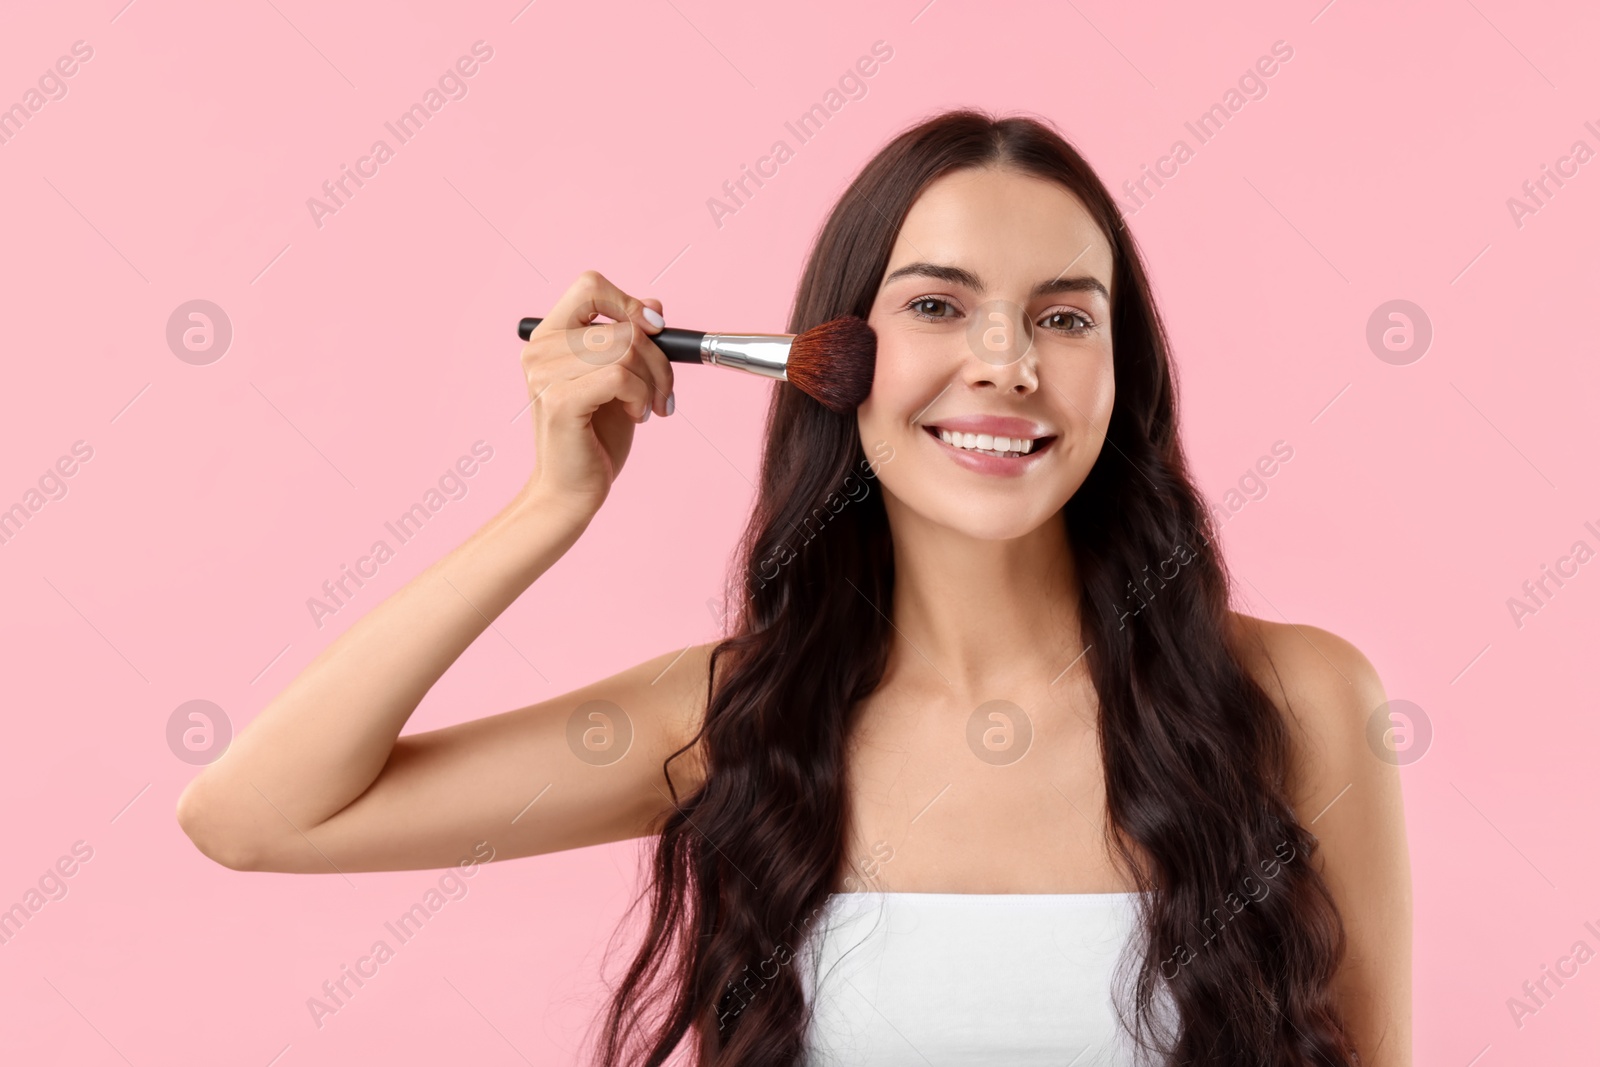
(1325, 687)
(1344, 785)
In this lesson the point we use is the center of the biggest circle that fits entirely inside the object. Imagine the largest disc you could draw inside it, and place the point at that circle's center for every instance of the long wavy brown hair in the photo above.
(1195, 753)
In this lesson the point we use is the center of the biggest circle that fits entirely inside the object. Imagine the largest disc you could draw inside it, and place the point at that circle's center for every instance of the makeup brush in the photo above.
(831, 363)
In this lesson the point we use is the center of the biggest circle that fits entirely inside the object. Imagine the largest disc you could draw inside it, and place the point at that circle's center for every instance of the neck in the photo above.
(987, 618)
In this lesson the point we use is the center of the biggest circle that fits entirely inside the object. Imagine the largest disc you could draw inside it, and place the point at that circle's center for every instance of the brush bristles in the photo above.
(833, 363)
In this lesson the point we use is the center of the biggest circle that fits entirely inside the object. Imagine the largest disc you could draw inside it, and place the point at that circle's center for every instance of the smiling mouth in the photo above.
(990, 445)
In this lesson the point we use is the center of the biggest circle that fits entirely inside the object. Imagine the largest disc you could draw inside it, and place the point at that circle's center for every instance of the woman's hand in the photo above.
(590, 384)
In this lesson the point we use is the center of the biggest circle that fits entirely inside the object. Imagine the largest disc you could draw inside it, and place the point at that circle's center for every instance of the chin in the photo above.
(974, 516)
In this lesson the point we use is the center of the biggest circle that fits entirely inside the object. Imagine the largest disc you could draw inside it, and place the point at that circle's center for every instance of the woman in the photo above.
(994, 683)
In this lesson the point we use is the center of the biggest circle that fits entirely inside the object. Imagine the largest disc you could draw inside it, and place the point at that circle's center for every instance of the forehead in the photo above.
(1008, 227)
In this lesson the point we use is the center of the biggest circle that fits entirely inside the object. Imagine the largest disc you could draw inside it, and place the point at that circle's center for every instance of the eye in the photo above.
(926, 308)
(1050, 321)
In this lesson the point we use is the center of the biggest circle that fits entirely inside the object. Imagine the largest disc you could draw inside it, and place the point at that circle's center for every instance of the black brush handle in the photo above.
(679, 346)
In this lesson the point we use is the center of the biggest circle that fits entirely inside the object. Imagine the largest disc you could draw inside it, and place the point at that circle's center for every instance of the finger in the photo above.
(660, 368)
(593, 295)
(602, 344)
(652, 304)
(580, 397)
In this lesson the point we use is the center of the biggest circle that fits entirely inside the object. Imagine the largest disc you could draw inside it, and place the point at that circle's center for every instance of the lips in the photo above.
(990, 463)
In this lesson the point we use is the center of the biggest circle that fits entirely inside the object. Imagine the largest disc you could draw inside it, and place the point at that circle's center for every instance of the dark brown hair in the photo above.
(1195, 753)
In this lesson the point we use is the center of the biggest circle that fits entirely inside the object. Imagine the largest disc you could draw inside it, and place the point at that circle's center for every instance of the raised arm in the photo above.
(322, 781)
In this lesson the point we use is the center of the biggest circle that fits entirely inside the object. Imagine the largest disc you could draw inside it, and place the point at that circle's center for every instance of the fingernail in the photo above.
(669, 403)
(646, 415)
(653, 317)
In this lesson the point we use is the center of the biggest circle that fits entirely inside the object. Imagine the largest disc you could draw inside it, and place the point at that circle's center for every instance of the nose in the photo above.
(1003, 352)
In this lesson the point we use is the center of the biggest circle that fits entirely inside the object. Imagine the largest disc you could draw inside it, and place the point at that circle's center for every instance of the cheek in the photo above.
(904, 380)
(898, 368)
(1105, 396)
(1092, 388)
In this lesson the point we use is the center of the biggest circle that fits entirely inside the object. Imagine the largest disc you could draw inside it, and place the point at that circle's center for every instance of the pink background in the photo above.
(369, 353)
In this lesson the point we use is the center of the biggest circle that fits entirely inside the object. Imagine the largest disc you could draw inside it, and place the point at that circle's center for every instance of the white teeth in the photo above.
(988, 443)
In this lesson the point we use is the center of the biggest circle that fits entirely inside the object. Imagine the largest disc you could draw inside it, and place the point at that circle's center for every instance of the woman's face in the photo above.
(993, 321)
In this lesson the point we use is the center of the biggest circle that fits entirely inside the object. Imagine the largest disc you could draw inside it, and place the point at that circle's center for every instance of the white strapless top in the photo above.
(961, 978)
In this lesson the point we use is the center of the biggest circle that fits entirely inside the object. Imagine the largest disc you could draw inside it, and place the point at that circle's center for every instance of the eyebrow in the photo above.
(964, 277)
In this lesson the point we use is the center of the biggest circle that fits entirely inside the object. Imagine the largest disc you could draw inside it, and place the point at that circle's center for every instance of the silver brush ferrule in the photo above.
(766, 354)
